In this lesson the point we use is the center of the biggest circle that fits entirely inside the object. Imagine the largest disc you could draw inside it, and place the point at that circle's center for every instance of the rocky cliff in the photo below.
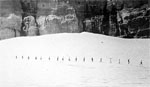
(59, 16)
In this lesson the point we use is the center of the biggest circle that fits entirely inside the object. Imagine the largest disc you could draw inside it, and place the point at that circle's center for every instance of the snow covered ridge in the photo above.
(79, 45)
(102, 61)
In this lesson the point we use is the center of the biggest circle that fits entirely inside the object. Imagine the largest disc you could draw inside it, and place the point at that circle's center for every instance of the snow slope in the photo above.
(50, 61)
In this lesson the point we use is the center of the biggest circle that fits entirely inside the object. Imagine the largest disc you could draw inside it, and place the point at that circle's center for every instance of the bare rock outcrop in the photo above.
(62, 20)
(10, 26)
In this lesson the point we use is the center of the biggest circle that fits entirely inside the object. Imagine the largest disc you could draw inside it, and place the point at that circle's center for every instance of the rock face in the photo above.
(72, 16)
(12, 21)
(61, 19)
(7, 33)
(10, 26)
(30, 27)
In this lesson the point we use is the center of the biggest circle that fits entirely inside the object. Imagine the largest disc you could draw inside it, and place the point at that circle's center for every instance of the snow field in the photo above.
(17, 70)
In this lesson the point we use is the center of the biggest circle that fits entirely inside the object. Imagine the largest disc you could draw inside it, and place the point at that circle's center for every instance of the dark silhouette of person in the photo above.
(100, 59)
(141, 62)
(84, 59)
(110, 60)
(128, 61)
(92, 59)
(76, 59)
(57, 58)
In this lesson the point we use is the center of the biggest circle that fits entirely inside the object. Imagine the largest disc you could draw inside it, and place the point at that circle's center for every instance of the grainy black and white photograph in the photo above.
(74, 43)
